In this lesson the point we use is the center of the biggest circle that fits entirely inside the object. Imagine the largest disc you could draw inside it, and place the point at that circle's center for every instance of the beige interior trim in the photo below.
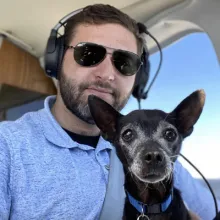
(20, 69)
(168, 32)
(1, 40)
(144, 10)
(18, 42)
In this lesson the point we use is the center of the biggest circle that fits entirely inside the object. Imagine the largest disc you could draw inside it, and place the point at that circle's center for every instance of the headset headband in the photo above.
(65, 18)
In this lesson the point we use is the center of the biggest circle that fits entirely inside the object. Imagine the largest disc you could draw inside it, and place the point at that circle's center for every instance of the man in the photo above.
(53, 163)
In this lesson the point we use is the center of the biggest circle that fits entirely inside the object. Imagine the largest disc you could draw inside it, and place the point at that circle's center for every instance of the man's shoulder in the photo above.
(29, 122)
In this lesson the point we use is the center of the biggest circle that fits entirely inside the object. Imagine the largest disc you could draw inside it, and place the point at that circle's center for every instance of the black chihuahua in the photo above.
(148, 143)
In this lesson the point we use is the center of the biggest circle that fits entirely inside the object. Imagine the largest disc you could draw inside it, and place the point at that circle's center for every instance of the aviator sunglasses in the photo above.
(91, 54)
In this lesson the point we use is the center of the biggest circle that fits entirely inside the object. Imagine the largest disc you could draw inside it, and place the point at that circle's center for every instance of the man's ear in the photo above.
(186, 114)
(104, 115)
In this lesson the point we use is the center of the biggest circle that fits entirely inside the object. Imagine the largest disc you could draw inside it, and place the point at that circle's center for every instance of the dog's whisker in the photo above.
(166, 117)
(169, 117)
(163, 186)
(174, 156)
(169, 173)
(170, 176)
(157, 188)
(168, 179)
(129, 171)
(150, 187)
(144, 190)
(132, 176)
(124, 154)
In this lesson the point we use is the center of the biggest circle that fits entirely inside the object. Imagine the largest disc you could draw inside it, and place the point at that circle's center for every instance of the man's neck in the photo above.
(70, 122)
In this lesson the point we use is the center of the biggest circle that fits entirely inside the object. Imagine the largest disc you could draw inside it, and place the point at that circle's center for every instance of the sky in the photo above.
(190, 64)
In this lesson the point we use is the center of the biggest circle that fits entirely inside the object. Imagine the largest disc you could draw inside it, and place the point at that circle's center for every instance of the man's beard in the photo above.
(75, 101)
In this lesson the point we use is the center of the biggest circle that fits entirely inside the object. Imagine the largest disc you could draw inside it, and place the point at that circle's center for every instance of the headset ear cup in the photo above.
(54, 55)
(60, 56)
(142, 78)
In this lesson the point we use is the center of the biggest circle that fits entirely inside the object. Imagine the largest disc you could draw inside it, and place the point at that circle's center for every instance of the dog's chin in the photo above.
(151, 174)
(152, 178)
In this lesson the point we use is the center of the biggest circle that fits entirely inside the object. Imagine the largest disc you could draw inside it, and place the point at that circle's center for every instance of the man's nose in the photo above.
(105, 70)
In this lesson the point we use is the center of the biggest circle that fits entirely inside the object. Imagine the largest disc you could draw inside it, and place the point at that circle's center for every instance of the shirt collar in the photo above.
(55, 134)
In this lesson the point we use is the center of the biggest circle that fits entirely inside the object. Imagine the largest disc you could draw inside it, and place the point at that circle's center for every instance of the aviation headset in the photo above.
(55, 51)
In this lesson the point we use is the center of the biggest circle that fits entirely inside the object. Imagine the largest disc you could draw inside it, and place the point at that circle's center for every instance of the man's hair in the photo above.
(98, 14)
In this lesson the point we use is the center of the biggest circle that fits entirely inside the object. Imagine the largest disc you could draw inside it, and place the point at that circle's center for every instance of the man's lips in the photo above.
(101, 90)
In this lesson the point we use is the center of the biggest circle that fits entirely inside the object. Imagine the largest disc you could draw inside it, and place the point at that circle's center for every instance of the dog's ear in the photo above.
(186, 114)
(104, 115)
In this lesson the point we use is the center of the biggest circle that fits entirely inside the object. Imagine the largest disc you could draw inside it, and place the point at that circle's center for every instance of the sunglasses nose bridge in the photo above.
(106, 68)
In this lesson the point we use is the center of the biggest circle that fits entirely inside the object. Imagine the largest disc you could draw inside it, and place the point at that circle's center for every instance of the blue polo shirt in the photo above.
(45, 175)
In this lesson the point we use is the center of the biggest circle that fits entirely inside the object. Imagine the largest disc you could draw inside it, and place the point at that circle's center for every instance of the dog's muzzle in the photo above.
(152, 164)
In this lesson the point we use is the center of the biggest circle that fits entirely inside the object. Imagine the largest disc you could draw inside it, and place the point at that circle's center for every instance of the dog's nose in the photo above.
(154, 157)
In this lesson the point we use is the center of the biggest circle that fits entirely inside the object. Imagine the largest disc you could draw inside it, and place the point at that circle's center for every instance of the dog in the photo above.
(148, 143)
(217, 217)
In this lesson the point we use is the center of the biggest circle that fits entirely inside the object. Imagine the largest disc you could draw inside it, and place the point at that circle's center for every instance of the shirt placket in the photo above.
(103, 159)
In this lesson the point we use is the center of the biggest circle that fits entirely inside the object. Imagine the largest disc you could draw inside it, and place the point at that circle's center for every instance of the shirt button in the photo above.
(107, 167)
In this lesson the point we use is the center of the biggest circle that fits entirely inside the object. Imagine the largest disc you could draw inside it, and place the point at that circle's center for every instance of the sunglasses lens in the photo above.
(86, 54)
(126, 63)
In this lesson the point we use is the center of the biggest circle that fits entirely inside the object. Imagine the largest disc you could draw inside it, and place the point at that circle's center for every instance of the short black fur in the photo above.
(148, 143)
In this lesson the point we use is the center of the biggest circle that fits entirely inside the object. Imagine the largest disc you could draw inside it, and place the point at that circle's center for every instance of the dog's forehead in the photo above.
(144, 118)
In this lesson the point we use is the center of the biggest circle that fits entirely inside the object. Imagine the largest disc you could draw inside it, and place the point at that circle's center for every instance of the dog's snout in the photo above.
(154, 157)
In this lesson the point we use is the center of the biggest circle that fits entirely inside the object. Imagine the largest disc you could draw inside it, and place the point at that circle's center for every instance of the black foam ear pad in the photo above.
(60, 55)
(142, 78)
(54, 55)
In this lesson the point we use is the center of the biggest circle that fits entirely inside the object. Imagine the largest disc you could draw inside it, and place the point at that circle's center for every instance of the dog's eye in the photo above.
(169, 134)
(127, 135)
